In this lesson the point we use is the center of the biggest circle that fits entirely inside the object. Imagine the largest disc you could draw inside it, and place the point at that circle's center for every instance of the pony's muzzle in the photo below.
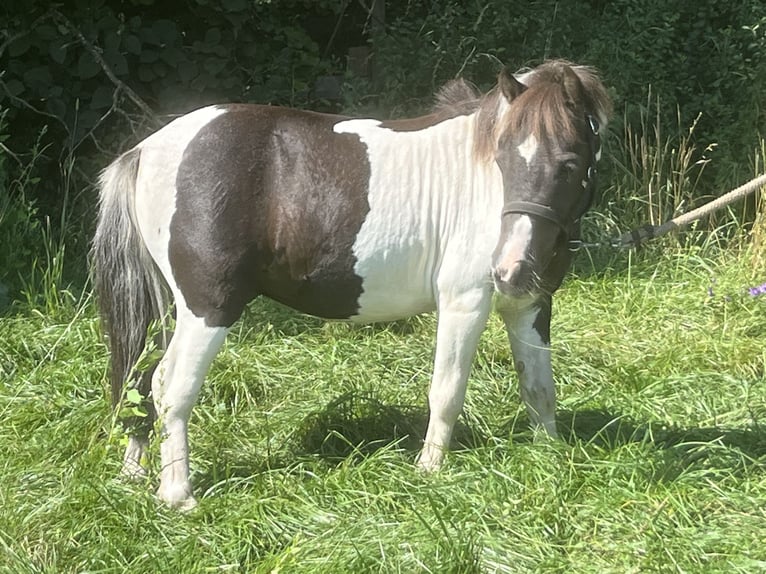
(514, 279)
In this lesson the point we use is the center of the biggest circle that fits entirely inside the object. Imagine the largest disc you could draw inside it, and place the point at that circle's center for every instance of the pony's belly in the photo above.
(379, 300)
(393, 291)
(390, 304)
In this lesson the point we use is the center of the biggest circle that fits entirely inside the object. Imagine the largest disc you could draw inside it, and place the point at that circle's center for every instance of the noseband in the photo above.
(545, 212)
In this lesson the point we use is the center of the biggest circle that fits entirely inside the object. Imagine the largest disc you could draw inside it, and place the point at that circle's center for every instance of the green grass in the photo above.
(304, 439)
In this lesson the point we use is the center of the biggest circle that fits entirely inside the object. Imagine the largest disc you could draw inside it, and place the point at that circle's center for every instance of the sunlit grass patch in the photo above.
(305, 435)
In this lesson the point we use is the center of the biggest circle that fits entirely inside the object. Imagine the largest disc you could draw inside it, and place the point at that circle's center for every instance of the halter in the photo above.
(570, 228)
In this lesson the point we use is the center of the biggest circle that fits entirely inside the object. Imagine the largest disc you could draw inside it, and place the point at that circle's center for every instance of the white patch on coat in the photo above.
(434, 216)
(528, 149)
(355, 126)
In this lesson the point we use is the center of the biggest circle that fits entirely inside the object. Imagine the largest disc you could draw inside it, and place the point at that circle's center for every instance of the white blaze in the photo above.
(528, 149)
(516, 246)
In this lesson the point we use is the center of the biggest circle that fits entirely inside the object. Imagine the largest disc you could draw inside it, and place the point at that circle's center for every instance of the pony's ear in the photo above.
(573, 88)
(509, 86)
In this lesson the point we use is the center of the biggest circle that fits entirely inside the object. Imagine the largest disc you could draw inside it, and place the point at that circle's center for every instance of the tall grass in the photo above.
(755, 240)
(33, 252)
(656, 174)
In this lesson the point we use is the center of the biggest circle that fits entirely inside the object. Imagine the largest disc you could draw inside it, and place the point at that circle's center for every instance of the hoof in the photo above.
(178, 497)
(132, 467)
(133, 471)
(430, 458)
(544, 433)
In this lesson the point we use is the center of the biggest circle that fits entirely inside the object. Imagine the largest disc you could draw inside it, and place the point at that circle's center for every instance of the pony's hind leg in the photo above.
(461, 320)
(175, 386)
(528, 326)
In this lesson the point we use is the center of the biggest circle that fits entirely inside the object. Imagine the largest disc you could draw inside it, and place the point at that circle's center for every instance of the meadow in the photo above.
(305, 435)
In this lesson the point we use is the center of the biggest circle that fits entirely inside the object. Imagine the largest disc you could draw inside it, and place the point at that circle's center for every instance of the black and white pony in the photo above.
(352, 219)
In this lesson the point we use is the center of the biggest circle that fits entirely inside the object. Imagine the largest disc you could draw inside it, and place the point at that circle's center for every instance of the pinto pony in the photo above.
(352, 219)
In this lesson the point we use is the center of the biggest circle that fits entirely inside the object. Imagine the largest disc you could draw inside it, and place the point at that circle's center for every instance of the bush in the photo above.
(19, 226)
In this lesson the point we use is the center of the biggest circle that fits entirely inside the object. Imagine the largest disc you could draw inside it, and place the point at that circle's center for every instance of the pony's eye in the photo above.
(567, 168)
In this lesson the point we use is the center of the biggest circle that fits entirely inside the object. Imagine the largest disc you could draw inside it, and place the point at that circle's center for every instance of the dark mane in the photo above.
(544, 107)
(455, 98)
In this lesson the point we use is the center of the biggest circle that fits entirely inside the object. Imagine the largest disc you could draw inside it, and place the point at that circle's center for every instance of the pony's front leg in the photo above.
(528, 324)
(461, 320)
(175, 387)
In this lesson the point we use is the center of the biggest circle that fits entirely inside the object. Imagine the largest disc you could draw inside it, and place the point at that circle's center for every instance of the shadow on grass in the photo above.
(355, 425)
(359, 424)
(671, 451)
(607, 430)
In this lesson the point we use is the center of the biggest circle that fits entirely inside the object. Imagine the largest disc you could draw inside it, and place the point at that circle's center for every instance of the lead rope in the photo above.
(640, 234)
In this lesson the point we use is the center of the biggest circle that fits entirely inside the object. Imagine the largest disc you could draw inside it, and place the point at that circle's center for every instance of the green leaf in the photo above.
(132, 44)
(172, 56)
(212, 37)
(187, 71)
(19, 47)
(117, 62)
(145, 74)
(56, 106)
(102, 98)
(15, 87)
(133, 397)
(57, 52)
(87, 67)
(165, 32)
(112, 41)
(160, 69)
(148, 56)
(38, 78)
(46, 32)
(234, 5)
(214, 65)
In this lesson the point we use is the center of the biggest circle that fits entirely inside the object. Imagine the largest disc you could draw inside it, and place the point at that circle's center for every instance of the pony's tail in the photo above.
(128, 284)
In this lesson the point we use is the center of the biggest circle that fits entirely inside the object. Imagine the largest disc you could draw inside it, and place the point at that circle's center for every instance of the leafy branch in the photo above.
(96, 54)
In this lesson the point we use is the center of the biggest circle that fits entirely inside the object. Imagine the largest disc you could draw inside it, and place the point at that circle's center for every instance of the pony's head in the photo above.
(543, 131)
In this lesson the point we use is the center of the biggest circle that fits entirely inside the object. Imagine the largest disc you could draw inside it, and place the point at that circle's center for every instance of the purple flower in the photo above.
(757, 290)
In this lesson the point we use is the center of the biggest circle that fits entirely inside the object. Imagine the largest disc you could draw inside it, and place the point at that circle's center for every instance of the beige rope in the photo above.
(635, 237)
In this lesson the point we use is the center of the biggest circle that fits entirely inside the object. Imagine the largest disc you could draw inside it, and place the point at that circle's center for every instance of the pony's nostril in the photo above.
(501, 275)
(515, 277)
(519, 271)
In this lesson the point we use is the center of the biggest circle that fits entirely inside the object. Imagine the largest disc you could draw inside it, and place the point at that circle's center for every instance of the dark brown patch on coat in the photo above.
(269, 201)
